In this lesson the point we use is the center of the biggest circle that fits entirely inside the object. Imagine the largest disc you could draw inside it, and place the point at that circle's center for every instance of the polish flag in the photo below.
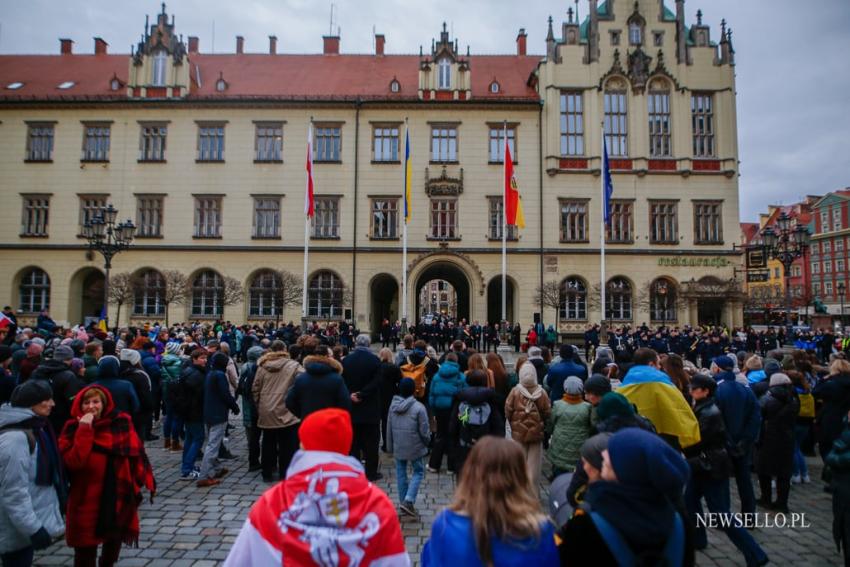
(309, 202)
(4, 321)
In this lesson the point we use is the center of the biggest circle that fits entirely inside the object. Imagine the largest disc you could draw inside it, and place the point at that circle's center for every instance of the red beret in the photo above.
(327, 430)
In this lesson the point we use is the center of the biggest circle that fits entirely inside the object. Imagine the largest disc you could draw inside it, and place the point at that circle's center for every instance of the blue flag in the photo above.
(607, 184)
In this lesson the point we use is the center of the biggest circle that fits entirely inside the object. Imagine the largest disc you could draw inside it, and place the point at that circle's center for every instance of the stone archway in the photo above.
(85, 296)
(452, 273)
(383, 301)
(494, 300)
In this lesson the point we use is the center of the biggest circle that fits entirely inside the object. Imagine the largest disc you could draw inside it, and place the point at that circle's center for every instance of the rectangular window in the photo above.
(90, 207)
(816, 288)
(327, 143)
(619, 230)
(573, 221)
(266, 217)
(149, 216)
(827, 289)
(836, 218)
(839, 244)
(827, 246)
(444, 218)
(497, 144)
(839, 265)
(385, 218)
(497, 220)
(385, 143)
(572, 124)
(615, 120)
(824, 220)
(35, 215)
(708, 224)
(210, 142)
(160, 60)
(663, 224)
(268, 142)
(96, 142)
(702, 123)
(40, 142)
(815, 267)
(444, 143)
(207, 217)
(827, 267)
(659, 124)
(326, 219)
(152, 142)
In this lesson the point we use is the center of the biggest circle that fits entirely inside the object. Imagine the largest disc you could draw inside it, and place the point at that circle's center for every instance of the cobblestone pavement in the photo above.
(190, 526)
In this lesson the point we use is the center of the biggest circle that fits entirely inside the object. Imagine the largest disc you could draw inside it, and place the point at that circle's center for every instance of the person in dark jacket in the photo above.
(838, 461)
(123, 394)
(569, 365)
(475, 394)
(217, 401)
(535, 357)
(710, 467)
(362, 376)
(151, 365)
(390, 377)
(320, 386)
(253, 433)
(63, 382)
(742, 417)
(834, 394)
(775, 448)
(445, 385)
(642, 478)
(131, 370)
(188, 402)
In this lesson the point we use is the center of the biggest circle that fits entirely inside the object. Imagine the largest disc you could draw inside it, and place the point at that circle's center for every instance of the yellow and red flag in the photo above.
(513, 202)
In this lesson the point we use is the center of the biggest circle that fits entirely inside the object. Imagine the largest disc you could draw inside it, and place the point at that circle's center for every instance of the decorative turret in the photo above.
(445, 75)
(681, 39)
(159, 63)
(593, 33)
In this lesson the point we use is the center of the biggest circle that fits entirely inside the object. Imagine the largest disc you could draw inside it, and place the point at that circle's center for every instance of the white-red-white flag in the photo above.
(4, 321)
(309, 201)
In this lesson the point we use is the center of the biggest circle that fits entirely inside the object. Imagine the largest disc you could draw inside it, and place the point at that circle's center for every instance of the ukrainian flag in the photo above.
(662, 403)
(408, 174)
(101, 323)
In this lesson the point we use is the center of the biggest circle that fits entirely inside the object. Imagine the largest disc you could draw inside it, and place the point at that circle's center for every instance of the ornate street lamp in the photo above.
(785, 244)
(109, 239)
(841, 291)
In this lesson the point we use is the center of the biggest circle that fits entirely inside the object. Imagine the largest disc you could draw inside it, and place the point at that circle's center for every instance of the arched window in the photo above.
(573, 299)
(635, 33)
(34, 291)
(444, 68)
(662, 300)
(150, 290)
(325, 295)
(264, 295)
(618, 300)
(160, 60)
(207, 292)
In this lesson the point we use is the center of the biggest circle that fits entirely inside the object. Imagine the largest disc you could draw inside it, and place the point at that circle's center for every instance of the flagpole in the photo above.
(504, 226)
(602, 229)
(404, 234)
(308, 214)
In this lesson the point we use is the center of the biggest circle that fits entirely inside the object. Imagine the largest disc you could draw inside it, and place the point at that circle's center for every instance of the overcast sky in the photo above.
(793, 70)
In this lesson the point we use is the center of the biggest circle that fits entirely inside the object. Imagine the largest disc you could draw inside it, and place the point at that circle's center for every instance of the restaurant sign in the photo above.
(694, 262)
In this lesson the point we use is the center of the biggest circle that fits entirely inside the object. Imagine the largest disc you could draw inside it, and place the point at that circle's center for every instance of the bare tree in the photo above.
(288, 290)
(669, 300)
(231, 293)
(175, 290)
(549, 295)
(122, 290)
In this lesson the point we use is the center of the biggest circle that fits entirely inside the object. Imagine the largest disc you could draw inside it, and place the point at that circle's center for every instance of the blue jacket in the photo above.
(151, 366)
(641, 374)
(754, 376)
(453, 543)
(447, 382)
(558, 373)
(217, 398)
(740, 409)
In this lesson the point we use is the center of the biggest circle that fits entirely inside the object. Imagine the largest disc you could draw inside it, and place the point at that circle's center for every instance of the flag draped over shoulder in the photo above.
(513, 202)
(309, 202)
(408, 174)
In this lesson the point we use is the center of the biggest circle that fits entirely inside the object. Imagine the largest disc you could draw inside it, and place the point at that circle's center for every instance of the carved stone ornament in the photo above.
(616, 70)
(639, 68)
(453, 256)
(443, 186)
(661, 70)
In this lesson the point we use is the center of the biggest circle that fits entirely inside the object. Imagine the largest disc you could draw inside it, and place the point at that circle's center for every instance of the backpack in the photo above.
(246, 379)
(416, 372)
(672, 553)
(474, 422)
(807, 404)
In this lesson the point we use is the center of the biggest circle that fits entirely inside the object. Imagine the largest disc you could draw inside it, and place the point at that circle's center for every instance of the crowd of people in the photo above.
(635, 437)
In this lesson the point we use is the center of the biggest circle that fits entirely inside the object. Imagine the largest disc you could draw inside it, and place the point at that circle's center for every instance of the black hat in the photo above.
(31, 393)
(597, 384)
(704, 381)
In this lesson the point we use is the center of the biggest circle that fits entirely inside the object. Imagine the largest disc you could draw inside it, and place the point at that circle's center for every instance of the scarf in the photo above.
(573, 399)
(127, 470)
(50, 470)
(530, 397)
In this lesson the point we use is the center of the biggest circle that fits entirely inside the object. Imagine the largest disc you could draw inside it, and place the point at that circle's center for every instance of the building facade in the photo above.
(830, 230)
(205, 153)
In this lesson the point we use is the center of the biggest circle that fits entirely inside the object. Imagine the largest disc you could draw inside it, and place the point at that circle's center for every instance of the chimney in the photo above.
(380, 40)
(66, 46)
(681, 40)
(240, 44)
(593, 32)
(193, 44)
(331, 44)
(521, 42)
(100, 46)
(272, 45)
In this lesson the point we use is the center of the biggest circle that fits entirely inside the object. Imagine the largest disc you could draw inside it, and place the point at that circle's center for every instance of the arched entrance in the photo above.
(494, 300)
(455, 277)
(383, 301)
(86, 296)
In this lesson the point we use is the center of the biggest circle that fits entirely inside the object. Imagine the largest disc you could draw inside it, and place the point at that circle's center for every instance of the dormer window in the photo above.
(220, 85)
(14, 86)
(494, 87)
(160, 59)
(635, 33)
(66, 85)
(444, 67)
(115, 83)
(395, 86)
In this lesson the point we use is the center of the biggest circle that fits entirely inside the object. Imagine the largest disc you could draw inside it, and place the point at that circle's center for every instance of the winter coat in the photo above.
(25, 507)
(542, 369)
(150, 364)
(91, 369)
(445, 385)
(408, 432)
(142, 384)
(473, 395)
(217, 398)
(569, 426)
(741, 412)
(834, 392)
(122, 392)
(171, 365)
(390, 377)
(527, 416)
(65, 385)
(194, 379)
(558, 373)
(275, 374)
(362, 375)
(708, 458)
(320, 386)
(775, 448)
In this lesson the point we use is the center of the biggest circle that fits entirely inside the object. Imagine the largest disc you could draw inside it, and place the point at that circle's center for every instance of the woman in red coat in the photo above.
(108, 467)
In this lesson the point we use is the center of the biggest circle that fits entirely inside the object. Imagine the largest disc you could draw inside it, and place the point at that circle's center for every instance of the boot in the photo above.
(167, 443)
(175, 445)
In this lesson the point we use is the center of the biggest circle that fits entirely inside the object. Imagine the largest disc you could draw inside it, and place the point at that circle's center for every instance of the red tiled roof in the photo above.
(749, 230)
(265, 76)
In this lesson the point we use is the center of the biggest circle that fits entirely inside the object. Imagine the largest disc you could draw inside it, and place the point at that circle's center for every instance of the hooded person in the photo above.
(569, 426)
(65, 384)
(632, 511)
(325, 512)
(217, 402)
(775, 446)
(122, 391)
(33, 479)
(444, 386)
(320, 386)
(527, 409)
(408, 436)
(131, 370)
(567, 490)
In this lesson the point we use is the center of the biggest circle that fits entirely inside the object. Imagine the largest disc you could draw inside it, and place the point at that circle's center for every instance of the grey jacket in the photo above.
(24, 506)
(408, 432)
